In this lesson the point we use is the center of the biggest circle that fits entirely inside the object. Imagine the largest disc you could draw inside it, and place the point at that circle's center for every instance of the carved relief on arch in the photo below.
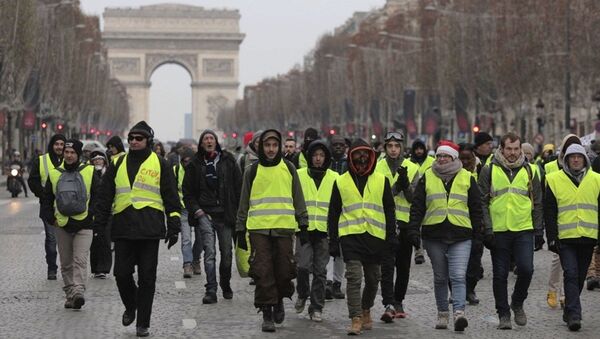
(188, 61)
(216, 104)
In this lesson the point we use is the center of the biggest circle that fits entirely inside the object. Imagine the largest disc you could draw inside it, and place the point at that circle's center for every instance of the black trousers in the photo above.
(144, 254)
(100, 254)
(398, 259)
(474, 269)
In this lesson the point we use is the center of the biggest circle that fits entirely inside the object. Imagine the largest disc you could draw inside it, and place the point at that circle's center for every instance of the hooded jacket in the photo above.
(248, 179)
(363, 247)
(35, 181)
(317, 173)
(413, 157)
(250, 156)
(220, 203)
(116, 141)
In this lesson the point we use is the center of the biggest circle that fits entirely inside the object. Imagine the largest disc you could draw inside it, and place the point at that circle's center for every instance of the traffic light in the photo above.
(92, 130)
(44, 125)
(476, 129)
(224, 135)
(234, 135)
(332, 131)
(59, 127)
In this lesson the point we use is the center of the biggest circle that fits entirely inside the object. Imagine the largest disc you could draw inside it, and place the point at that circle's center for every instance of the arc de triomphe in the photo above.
(204, 42)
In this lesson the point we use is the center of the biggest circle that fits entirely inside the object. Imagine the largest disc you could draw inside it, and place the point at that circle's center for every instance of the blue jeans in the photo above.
(50, 246)
(519, 245)
(449, 261)
(575, 260)
(211, 230)
(189, 254)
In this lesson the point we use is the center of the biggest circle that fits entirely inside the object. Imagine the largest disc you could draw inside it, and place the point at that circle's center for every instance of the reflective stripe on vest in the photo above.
(317, 199)
(145, 191)
(402, 205)
(441, 205)
(87, 173)
(510, 204)
(271, 202)
(365, 213)
(577, 206)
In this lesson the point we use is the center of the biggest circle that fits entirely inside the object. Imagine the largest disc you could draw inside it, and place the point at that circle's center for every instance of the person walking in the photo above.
(100, 252)
(271, 209)
(115, 147)
(68, 204)
(300, 159)
(512, 199)
(420, 157)
(447, 214)
(571, 214)
(211, 190)
(312, 247)
(400, 173)
(484, 145)
(140, 192)
(37, 182)
(361, 220)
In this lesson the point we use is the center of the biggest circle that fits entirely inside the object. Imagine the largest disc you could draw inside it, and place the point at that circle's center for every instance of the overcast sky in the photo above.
(278, 35)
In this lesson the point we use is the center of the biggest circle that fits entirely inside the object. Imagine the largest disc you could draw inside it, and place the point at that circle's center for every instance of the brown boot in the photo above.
(367, 322)
(356, 326)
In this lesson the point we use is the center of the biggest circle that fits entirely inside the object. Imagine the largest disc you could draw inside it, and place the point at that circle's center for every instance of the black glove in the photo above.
(241, 240)
(173, 229)
(334, 248)
(414, 240)
(303, 236)
(489, 241)
(539, 242)
(554, 246)
(402, 181)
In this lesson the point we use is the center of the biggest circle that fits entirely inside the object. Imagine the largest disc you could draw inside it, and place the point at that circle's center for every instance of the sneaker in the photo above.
(300, 304)
(329, 290)
(278, 312)
(389, 314)
(367, 322)
(552, 299)
(520, 316)
(227, 292)
(442, 320)
(69, 303)
(196, 267)
(187, 270)
(128, 317)
(472, 298)
(574, 324)
(356, 326)
(400, 311)
(100, 275)
(316, 316)
(51, 275)
(210, 298)
(419, 259)
(267, 325)
(336, 291)
(592, 283)
(504, 323)
(78, 301)
(460, 321)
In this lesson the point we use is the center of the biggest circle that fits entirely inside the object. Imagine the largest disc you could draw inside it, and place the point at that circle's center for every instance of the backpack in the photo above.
(71, 193)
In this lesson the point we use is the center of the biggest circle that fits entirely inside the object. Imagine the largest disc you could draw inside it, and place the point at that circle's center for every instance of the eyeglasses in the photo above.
(394, 135)
(136, 138)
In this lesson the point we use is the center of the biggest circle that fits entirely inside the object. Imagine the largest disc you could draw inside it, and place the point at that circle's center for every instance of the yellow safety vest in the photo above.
(441, 205)
(87, 173)
(45, 166)
(116, 157)
(510, 204)
(145, 191)
(551, 167)
(179, 175)
(271, 199)
(302, 163)
(317, 199)
(364, 213)
(402, 205)
(577, 206)
(425, 165)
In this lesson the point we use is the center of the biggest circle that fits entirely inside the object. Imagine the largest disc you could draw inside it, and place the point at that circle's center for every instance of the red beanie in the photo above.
(247, 138)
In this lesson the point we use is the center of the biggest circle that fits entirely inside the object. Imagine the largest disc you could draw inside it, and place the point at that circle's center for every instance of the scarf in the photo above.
(510, 165)
(393, 163)
(447, 171)
(211, 159)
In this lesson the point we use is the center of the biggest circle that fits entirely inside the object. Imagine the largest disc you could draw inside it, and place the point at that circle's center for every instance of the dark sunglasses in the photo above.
(136, 138)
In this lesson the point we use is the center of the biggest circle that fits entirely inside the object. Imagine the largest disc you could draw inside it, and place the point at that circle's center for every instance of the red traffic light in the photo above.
(476, 129)
(234, 135)
(92, 130)
(108, 133)
(44, 125)
(331, 131)
(59, 127)
(291, 134)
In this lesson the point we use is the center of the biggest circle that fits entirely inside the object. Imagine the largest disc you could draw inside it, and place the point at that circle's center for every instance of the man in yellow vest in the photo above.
(312, 250)
(140, 192)
(420, 157)
(72, 218)
(484, 145)
(37, 181)
(512, 200)
(300, 159)
(362, 220)
(271, 209)
(115, 147)
(400, 173)
(571, 214)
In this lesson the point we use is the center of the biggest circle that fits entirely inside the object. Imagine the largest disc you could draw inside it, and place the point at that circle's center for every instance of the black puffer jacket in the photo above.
(221, 203)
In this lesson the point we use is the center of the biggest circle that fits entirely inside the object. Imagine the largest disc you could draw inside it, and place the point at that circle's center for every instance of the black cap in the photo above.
(481, 138)
(75, 145)
(142, 128)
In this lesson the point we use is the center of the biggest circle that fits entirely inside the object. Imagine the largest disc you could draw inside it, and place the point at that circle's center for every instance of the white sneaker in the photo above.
(316, 316)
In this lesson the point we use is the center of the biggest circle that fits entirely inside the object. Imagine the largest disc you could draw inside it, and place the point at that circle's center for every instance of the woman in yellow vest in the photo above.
(571, 214)
(361, 219)
(312, 250)
(73, 232)
(271, 209)
(446, 212)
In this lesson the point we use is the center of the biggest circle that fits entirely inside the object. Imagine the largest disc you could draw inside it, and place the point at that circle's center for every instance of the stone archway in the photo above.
(204, 42)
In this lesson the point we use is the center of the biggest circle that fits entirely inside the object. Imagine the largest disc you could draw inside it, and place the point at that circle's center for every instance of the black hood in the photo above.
(117, 142)
(359, 144)
(318, 144)
(262, 158)
(53, 156)
(201, 152)
(418, 144)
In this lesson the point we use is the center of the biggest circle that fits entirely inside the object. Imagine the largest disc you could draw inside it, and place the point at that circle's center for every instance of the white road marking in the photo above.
(180, 285)
(189, 323)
